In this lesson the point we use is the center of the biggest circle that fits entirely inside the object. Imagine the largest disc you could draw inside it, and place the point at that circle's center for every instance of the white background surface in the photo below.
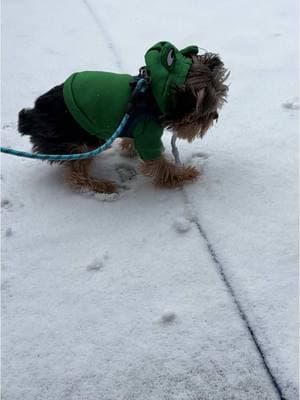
(111, 299)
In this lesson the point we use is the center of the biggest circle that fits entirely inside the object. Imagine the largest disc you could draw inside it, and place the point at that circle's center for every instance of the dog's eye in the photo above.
(170, 58)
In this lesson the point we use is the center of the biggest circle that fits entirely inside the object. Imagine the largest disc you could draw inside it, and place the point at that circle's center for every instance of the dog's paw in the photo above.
(102, 186)
(127, 148)
(178, 178)
(128, 153)
(190, 173)
(107, 187)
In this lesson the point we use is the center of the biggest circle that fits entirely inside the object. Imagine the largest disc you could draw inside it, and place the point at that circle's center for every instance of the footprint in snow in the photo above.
(126, 172)
(291, 104)
(95, 266)
(204, 156)
(276, 34)
(10, 125)
(98, 263)
(168, 317)
(8, 232)
(199, 159)
(182, 225)
(6, 203)
(105, 197)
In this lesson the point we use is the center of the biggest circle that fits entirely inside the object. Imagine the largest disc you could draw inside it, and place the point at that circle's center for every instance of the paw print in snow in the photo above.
(98, 263)
(126, 173)
(182, 225)
(168, 317)
(5, 203)
(291, 105)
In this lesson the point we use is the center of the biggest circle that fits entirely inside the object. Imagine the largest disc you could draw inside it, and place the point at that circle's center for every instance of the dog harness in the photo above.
(98, 100)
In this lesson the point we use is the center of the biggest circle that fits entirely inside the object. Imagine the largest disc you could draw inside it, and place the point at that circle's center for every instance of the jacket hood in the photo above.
(168, 67)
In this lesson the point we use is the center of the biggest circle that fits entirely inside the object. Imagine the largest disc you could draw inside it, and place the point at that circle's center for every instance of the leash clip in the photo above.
(143, 72)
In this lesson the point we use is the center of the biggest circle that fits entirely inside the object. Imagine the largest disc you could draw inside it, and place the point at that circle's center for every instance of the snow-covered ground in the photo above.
(158, 294)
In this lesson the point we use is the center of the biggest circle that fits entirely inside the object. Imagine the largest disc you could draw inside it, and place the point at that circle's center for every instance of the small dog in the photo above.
(185, 93)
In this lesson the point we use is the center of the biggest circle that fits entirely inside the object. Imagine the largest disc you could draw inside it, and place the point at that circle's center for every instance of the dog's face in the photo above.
(198, 101)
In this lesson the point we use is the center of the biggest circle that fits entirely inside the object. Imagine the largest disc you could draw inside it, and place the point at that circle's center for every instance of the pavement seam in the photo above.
(197, 224)
(105, 33)
(232, 294)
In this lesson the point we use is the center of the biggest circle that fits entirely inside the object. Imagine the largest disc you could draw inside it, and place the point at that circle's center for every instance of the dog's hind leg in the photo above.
(77, 175)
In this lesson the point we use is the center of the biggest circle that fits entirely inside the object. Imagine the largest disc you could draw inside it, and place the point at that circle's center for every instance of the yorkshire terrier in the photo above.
(185, 92)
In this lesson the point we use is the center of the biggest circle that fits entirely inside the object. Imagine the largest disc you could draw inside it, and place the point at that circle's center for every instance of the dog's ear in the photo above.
(200, 95)
(189, 51)
(212, 61)
(215, 62)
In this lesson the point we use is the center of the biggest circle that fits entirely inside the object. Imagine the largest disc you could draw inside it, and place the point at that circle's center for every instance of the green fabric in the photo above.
(98, 102)
(189, 50)
(168, 68)
(147, 139)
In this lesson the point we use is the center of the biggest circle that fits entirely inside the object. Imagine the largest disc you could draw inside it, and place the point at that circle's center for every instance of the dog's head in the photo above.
(197, 102)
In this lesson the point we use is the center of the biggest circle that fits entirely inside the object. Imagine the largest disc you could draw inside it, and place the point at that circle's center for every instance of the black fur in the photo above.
(51, 127)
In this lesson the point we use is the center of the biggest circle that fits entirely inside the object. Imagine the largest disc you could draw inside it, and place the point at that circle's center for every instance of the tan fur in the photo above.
(164, 172)
(127, 147)
(167, 174)
(188, 132)
(77, 175)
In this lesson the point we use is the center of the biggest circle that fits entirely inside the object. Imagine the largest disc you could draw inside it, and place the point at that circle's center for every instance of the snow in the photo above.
(182, 225)
(98, 263)
(291, 105)
(168, 317)
(149, 294)
(8, 232)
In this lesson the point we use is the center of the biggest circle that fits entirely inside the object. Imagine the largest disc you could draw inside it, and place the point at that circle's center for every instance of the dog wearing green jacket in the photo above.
(184, 94)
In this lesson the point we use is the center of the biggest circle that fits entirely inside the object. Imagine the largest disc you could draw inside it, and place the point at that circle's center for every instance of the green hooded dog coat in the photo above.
(98, 100)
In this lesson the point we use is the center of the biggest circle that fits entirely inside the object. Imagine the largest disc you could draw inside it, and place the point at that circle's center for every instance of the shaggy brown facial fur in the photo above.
(197, 102)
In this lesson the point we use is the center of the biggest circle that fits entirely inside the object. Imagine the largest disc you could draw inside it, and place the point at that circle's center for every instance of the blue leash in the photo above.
(140, 87)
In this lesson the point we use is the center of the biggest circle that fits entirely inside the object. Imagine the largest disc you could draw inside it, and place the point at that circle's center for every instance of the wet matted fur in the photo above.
(53, 130)
(77, 174)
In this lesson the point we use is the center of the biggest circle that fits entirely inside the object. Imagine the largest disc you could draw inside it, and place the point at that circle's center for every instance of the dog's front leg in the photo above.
(167, 174)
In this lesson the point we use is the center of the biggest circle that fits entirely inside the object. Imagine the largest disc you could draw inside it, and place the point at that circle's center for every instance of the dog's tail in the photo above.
(27, 121)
